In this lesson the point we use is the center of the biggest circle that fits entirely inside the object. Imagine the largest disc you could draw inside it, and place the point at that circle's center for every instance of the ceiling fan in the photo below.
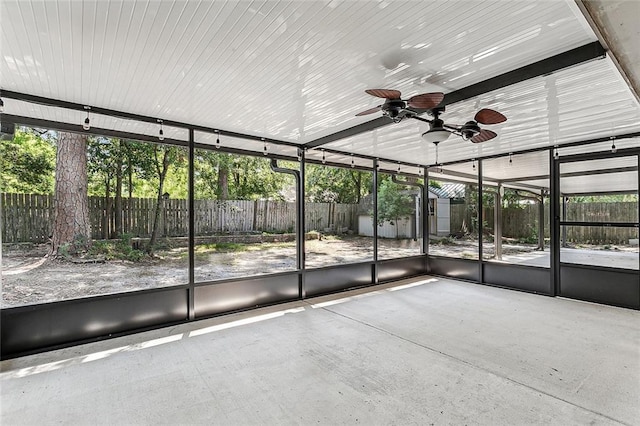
(398, 109)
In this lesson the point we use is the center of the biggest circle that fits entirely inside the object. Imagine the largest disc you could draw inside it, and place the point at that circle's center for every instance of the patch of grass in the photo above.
(119, 249)
(239, 247)
(332, 237)
(447, 241)
(531, 239)
(221, 247)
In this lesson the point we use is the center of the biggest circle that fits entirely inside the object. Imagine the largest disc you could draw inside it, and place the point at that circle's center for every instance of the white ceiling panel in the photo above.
(288, 70)
(580, 103)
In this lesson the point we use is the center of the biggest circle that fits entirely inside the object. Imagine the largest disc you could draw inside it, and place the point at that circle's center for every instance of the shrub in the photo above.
(120, 249)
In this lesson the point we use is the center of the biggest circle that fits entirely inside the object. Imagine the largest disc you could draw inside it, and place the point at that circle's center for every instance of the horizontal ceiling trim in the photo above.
(549, 148)
(55, 125)
(594, 156)
(579, 55)
(77, 128)
(41, 100)
(95, 131)
(574, 174)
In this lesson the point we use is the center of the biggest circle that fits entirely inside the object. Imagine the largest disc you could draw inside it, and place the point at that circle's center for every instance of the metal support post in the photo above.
(426, 217)
(191, 195)
(497, 221)
(565, 201)
(300, 222)
(479, 220)
(541, 221)
(554, 212)
(375, 222)
(299, 176)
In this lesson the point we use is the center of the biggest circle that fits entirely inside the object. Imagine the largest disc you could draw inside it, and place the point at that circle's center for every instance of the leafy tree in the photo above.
(337, 185)
(611, 198)
(154, 164)
(224, 176)
(105, 167)
(393, 203)
(27, 163)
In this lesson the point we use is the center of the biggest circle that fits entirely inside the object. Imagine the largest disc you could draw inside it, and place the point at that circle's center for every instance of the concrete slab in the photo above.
(415, 352)
(610, 259)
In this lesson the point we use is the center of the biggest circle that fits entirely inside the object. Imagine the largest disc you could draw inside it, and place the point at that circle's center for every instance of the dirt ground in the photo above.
(29, 277)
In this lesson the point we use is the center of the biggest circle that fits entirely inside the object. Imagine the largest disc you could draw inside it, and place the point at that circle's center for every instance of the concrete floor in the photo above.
(612, 259)
(420, 351)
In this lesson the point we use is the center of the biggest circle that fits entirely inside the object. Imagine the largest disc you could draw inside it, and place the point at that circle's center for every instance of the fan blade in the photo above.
(483, 136)
(369, 111)
(384, 93)
(489, 116)
(426, 100)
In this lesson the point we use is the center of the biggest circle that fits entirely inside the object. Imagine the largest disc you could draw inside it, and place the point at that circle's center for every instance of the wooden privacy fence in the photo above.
(29, 217)
(522, 222)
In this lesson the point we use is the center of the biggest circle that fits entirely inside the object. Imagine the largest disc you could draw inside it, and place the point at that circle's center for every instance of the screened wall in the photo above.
(178, 231)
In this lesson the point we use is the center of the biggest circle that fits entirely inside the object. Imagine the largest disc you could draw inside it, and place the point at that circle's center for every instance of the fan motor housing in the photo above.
(393, 107)
(469, 130)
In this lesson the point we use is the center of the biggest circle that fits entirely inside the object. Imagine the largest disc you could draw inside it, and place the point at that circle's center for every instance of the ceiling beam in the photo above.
(579, 55)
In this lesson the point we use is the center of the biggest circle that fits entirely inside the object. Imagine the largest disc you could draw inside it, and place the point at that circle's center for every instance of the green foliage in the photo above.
(223, 176)
(27, 163)
(393, 203)
(139, 165)
(64, 251)
(121, 249)
(103, 156)
(336, 185)
(230, 247)
(615, 198)
(221, 247)
(80, 245)
(446, 241)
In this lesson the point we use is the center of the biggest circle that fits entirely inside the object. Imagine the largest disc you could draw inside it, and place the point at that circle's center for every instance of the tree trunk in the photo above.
(129, 187)
(358, 182)
(222, 191)
(118, 193)
(467, 219)
(71, 226)
(106, 219)
(162, 174)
